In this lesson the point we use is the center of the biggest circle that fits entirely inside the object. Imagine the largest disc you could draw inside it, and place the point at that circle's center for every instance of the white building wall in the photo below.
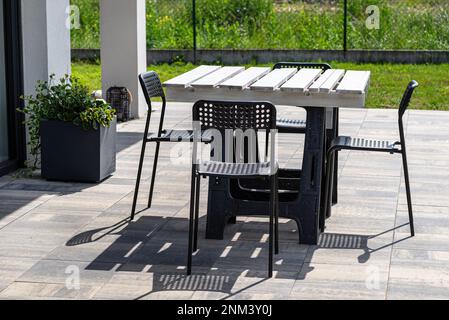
(59, 46)
(123, 48)
(46, 41)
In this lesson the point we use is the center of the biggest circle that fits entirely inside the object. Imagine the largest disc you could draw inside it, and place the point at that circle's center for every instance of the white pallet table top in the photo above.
(274, 79)
(217, 77)
(302, 80)
(187, 78)
(246, 78)
(304, 88)
(354, 82)
(332, 81)
(327, 80)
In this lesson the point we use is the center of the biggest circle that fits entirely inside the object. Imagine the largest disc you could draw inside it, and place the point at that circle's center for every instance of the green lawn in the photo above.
(387, 83)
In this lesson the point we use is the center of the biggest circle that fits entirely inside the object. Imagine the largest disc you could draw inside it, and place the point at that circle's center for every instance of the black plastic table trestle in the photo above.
(300, 189)
(298, 126)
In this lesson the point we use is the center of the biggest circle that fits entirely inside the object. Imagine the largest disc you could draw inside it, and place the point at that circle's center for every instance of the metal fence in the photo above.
(305, 24)
(288, 25)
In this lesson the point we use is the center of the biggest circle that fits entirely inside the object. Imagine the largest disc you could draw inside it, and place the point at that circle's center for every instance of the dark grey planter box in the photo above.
(71, 153)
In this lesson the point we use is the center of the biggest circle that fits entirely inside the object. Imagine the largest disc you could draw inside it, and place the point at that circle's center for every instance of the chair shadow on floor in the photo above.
(352, 241)
(158, 245)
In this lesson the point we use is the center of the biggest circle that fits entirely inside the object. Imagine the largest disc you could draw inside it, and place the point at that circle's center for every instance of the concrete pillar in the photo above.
(123, 48)
(46, 40)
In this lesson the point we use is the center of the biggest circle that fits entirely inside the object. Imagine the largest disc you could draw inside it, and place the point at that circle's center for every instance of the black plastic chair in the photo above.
(234, 118)
(152, 88)
(287, 125)
(360, 144)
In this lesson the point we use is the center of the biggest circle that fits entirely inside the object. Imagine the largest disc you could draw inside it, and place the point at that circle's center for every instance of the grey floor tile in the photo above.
(49, 229)
(33, 291)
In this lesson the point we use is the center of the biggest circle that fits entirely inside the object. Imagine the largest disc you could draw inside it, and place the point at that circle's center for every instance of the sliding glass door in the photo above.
(12, 133)
(4, 139)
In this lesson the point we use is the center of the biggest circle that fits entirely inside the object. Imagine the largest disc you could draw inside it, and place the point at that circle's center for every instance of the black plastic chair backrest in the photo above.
(302, 65)
(222, 115)
(407, 97)
(151, 86)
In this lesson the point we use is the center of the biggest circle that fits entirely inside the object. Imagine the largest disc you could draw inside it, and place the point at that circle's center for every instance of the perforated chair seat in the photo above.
(349, 143)
(179, 136)
(284, 125)
(236, 170)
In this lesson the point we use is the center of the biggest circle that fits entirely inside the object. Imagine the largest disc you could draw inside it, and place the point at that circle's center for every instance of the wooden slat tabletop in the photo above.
(217, 77)
(315, 87)
(187, 78)
(274, 79)
(332, 81)
(354, 82)
(246, 78)
(302, 80)
(306, 87)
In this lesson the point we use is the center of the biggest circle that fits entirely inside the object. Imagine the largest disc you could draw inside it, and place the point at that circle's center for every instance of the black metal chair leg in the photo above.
(276, 217)
(332, 169)
(327, 192)
(197, 207)
(335, 178)
(407, 189)
(267, 143)
(335, 168)
(139, 172)
(139, 176)
(232, 220)
(191, 223)
(153, 175)
(270, 237)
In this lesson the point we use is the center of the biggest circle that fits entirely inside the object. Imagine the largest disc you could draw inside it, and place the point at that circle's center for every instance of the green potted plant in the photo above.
(74, 134)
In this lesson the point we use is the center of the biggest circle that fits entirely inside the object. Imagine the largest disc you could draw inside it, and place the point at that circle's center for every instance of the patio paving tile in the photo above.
(369, 227)
(11, 268)
(168, 295)
(109, 249)
(334, 281)
(333, 290)
(421, 241)
(59, 272)
(39, 291)
(29, 245)
(257, 296)
(398, 290)
(48, 230)
(341, 249)
(126, 286)
(413, 270)
(426, 222)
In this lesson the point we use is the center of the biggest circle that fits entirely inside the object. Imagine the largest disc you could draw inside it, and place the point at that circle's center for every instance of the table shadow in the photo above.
(158, 245)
